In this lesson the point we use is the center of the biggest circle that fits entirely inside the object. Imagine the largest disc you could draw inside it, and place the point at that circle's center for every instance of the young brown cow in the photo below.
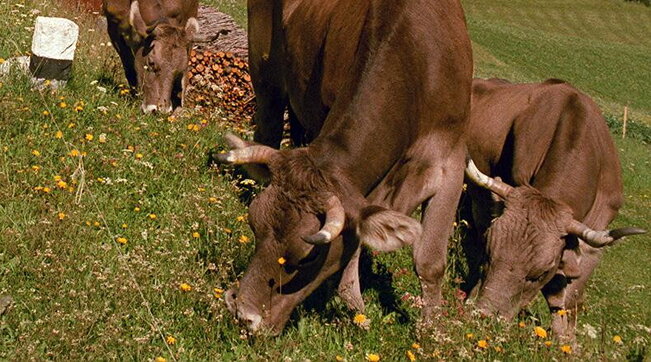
(153, 39)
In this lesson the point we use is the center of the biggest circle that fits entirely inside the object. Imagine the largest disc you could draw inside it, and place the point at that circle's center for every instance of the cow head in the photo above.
(161, 61)
(527, 243)
(304, 229)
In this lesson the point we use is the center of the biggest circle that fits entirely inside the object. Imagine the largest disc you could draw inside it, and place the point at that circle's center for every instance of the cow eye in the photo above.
(309, 258)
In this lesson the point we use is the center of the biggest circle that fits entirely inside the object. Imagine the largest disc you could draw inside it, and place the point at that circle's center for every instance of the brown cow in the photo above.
(153, 39)
(551, 142)
(383, 89)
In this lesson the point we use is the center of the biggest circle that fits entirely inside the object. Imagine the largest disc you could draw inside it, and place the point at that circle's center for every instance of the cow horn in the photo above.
(243, 153)
(599, 239)
(500, 188)
(334, 223)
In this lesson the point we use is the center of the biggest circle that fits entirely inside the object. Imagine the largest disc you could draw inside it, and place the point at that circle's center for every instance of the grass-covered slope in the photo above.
(602, 46)
(106, 215)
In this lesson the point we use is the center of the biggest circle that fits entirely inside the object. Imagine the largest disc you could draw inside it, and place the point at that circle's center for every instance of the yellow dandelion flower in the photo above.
(411, 356)
(196, 235)
(566, 349)
(244, 239)
(482, 344)
(96, 224)
(57, 177)
(61, 215)
(74, 153)
(136, 209)
(415, 346)
(58, 135)
(139, 156)
(158, 359)
(36, 168)
(36, 153)
(201, 189)
(2, 60)
(240, 218)
(470, 335)
(152, 216)
(522, 324)
(617, 339)
(540, 332)
(185, 287)
(79, 108)
(359, 319)
(212, 200)
(47, 190)
(124, 226)
(63, 105)
(548, 343)
(121, 240)
(372, 357)
(46, 113)
(62, 184)
(281, 261)
(561, 312)
(339, 358)
(89, 137)
(170, 340)
(71, 125)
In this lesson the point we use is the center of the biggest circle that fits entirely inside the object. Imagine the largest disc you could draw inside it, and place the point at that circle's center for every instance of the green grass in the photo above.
(602, 46)
(81, 295)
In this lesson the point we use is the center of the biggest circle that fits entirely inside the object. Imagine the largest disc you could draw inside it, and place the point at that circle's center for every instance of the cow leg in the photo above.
(349, 288)
(125, 52)
(430, 252)
(474, 244)
(269, 116)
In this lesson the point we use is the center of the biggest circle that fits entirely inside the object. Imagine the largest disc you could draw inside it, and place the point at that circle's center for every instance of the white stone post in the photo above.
(53, 48)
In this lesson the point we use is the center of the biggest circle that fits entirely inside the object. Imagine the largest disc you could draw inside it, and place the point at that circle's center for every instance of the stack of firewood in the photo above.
(220, 80)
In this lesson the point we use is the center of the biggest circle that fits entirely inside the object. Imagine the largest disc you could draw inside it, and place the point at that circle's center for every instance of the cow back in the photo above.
(549, 136)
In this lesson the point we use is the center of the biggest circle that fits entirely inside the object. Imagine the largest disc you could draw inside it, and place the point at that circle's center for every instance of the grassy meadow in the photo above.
(117, 239)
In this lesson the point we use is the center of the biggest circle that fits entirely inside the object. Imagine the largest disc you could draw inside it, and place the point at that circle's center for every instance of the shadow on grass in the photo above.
(379, 280)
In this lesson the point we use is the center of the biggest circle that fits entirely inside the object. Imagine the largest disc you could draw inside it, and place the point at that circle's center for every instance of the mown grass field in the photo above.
(106, 215)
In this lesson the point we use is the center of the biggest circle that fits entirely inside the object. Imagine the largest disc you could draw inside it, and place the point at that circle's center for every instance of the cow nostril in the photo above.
(148, 108)
(252, 321)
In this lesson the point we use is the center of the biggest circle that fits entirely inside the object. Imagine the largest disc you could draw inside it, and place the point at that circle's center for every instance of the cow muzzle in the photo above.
(152, 108)
(251, 319)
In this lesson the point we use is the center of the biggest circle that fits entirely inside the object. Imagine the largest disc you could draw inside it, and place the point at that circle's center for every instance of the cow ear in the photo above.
(386, 230)
(191, 28)
(136, 21)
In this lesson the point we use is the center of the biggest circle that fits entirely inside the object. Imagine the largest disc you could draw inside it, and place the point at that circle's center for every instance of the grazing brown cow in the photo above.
(383, 89)
(153, 39)
(552, 143)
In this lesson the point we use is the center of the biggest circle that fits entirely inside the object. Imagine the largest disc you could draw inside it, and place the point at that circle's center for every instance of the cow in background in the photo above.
(153, 39)
(382, 89)
(552, 144)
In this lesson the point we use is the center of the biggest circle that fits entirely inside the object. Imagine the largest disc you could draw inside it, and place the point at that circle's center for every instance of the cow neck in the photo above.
(354, 172)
